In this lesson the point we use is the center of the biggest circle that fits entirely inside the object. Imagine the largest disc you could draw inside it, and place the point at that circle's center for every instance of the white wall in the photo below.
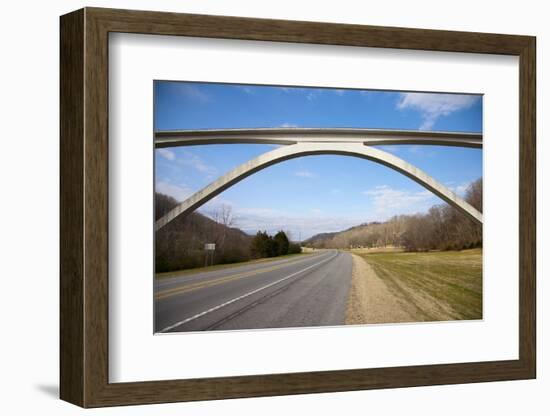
(29, 183)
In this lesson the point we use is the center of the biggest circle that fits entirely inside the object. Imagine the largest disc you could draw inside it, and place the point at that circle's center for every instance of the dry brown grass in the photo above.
(404, 287)
(388, 249)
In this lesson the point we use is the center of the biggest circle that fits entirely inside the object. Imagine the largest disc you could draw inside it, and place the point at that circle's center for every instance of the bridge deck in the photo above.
(293, 135)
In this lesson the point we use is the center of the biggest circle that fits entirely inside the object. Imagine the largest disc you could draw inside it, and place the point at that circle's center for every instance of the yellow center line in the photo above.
(200, 285)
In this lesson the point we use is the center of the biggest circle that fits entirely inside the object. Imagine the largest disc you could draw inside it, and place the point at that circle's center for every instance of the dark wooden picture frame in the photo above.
(84, 207)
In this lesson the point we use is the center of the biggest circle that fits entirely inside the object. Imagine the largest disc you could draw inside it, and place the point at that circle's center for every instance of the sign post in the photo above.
(209, 247)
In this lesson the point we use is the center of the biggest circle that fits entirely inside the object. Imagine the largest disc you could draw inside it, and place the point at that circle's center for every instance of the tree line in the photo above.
(443, 227)
(181, 243)
(265, 245)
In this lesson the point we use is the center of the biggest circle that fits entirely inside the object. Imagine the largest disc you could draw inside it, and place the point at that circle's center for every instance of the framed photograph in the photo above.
(255, 207)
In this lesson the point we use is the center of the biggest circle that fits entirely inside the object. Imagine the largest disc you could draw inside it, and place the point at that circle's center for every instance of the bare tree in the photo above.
(442, 228)
(225, 218)
(180, 244)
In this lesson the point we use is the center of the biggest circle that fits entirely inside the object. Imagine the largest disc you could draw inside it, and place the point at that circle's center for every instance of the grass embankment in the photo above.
(433, 286)
(185, 272)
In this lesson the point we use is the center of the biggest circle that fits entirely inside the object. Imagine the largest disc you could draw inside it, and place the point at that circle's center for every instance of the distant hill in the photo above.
(317, 238)
(441, 228)
(340, 239)
(180, 244)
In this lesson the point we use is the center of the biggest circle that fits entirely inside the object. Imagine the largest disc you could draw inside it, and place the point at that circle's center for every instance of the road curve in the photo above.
(303, 291)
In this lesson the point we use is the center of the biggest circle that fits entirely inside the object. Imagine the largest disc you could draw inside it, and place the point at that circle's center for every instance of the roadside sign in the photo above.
(210, 247)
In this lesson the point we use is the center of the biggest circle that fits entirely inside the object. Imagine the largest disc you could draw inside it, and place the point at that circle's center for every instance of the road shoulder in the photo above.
(369, 299)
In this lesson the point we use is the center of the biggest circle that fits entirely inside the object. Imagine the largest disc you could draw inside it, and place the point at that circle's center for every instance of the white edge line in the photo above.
(192, 318)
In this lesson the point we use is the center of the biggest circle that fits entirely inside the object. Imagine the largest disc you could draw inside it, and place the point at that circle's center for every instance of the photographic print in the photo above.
(287, 207)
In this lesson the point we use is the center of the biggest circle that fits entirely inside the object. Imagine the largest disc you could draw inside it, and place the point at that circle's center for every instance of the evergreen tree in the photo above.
(260, 246)
(282, 243)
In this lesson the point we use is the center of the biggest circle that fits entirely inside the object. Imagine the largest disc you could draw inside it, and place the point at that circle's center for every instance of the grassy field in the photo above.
(433, 286)
(179, 273)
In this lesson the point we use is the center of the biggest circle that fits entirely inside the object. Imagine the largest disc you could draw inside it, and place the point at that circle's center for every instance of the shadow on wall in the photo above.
(51, 390)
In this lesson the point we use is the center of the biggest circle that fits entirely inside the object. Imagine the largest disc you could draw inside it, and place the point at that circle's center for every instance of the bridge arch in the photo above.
(306, 149)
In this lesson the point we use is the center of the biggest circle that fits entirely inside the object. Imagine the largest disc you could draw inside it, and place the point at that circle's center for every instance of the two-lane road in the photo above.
(302, 291)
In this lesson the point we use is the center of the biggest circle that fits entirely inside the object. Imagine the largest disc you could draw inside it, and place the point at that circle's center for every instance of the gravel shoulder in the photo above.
(370, 301)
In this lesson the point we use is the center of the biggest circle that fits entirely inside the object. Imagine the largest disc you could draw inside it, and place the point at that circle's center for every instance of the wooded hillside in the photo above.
(180, 244)
(442, 228)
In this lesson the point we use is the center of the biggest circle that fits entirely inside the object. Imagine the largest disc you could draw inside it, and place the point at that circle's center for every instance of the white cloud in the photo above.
(285, 125)
(459, 189)
(301, 225)
(434, 106)
(246, 89)
(167, 154)
(179, 192)
(421, 150)
(190, 159)
(305, 174)
(313, 95)
(194, 92)
(293, 89)
(388, 201)
(260, 212)
(309, 93)
(391, 148)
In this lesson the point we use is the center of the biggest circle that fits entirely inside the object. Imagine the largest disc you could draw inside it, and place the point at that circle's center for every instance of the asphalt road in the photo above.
(299, 291)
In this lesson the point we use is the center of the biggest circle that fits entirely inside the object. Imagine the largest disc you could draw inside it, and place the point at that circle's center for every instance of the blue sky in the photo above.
(315, 193)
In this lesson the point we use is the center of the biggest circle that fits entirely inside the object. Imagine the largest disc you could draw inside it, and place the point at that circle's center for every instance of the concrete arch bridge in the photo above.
(299, 142)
